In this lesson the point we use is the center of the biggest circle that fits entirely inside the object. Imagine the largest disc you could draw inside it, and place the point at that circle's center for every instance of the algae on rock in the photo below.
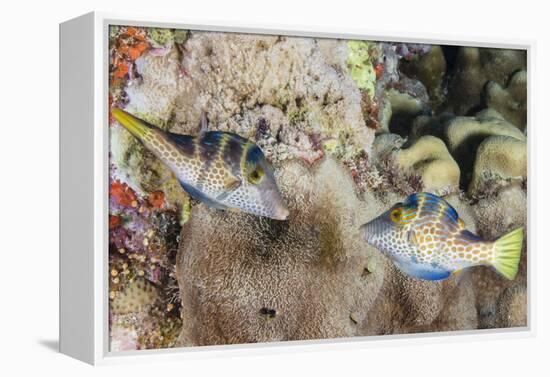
(360, 65)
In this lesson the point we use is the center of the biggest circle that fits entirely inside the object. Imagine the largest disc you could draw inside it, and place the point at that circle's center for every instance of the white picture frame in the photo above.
(84, 191)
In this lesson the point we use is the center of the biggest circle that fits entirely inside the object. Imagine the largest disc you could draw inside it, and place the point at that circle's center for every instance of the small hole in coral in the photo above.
(269, 313)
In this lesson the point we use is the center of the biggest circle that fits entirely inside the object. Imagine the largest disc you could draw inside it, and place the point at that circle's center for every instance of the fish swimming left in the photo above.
(221, 169)
(426, 239)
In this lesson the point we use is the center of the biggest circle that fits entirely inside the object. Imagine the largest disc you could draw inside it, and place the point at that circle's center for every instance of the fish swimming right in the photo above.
(427, 240)
(221, 169)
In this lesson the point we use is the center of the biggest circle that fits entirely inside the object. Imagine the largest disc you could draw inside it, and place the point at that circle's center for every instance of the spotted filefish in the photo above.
(221, 169)
(426, 239)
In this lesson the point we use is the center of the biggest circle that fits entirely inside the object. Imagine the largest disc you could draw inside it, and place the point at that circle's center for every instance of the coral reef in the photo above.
(143, 238)
(510, 101)
(351, 127)
(473, 68)
(489, 150)
(430, 69)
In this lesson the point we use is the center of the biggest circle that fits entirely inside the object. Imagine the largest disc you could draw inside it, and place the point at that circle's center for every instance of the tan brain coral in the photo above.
(248, 280)
(473, 69)
(428, 156)
(488, 149)
(498, 159)
(510, 101)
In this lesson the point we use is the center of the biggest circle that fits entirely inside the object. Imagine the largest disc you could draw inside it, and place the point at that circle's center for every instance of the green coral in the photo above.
(180, 36)
(185, 210)
(161, 37)
(360, 66)
(297, 115)
(113, 32)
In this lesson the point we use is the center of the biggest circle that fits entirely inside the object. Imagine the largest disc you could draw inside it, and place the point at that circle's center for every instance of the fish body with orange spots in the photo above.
(221, 169)
(426, 239)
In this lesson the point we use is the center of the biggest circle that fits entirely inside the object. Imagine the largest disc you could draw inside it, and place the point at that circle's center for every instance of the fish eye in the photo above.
(395, 215)
(256, 174)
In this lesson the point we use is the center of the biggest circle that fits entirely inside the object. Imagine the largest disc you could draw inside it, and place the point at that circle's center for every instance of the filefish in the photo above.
(426, 239)
(221, 169)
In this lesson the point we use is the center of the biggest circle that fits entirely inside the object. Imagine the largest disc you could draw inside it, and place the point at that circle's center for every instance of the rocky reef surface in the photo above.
(351, 128)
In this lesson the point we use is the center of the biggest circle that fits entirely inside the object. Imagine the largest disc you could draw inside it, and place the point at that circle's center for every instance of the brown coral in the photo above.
(510, 101)
(258, 280)
(473, 69)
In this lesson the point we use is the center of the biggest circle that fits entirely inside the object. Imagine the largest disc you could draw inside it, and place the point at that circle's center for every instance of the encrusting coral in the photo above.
(313, 106)
(134, 297)
(310, 86)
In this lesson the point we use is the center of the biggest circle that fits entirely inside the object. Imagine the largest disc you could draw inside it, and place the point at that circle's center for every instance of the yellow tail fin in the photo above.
(507, 253)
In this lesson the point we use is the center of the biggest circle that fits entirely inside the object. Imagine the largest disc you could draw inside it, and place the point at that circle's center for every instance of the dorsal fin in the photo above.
(203, 124)
(185, 143)
(427, 202)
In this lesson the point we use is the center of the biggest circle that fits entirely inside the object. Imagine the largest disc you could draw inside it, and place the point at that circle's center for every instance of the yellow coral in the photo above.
(360, 66)
(429, 158)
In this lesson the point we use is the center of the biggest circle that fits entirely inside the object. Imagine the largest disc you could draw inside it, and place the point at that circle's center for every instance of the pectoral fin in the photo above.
(232, 183)
(411, 237)
(200, 196)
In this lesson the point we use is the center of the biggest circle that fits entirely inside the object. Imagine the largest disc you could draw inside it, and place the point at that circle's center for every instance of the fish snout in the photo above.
(280, 212)
(273, 202)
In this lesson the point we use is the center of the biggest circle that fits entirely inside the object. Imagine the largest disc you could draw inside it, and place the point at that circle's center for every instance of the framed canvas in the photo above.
(243, 189)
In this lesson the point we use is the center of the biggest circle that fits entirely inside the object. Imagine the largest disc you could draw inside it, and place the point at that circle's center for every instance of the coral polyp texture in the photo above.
(350, 128)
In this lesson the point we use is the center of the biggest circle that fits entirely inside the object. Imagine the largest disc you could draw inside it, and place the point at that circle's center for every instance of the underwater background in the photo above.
(351, 127)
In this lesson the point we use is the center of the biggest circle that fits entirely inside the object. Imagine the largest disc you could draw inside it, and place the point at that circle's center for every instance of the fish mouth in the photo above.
(134, 125)
(273, 202)
(280, 212)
